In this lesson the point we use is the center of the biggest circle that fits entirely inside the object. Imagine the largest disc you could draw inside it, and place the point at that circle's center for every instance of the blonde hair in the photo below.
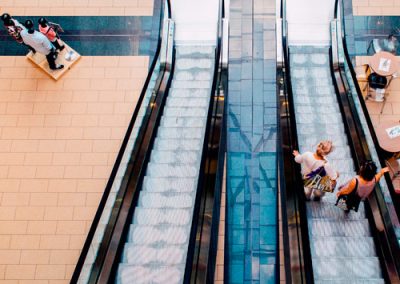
(324, 148)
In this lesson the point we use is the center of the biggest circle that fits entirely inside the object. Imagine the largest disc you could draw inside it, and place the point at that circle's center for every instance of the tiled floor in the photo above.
(376, 7)
(58, 144)
(77, 7)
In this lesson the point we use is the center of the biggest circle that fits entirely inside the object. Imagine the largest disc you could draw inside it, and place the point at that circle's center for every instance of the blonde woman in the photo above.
(313, 161)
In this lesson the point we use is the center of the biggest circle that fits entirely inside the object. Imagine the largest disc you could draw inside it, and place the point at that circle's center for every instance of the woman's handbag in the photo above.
(349, 201)
(319, 180)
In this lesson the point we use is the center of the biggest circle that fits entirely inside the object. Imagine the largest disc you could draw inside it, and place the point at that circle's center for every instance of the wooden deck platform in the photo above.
(67, 57)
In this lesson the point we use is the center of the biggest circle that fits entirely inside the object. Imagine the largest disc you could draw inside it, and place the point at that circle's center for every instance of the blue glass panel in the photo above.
(252, 125)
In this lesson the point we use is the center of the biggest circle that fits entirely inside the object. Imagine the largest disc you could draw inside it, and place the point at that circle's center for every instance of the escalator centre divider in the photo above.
(122, 168)
(376, 208)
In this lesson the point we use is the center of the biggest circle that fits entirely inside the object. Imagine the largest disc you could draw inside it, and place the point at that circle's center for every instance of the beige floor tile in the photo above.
(58, 143)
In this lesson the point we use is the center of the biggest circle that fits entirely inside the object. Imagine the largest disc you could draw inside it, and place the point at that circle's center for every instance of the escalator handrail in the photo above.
(209, 183)
(385, 238)
(89, 239)
(294, 172)
(395, 197)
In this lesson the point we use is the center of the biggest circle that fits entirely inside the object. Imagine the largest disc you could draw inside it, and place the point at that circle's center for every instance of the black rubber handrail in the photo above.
(298, 260)
(102, 203)
(384, 237)
(203, 240)
(395, 197)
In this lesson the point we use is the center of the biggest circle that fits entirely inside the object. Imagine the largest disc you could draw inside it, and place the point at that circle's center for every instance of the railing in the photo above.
(203, 242)
(298, 261)
(377, 212)
(378, 157)
(96, 263)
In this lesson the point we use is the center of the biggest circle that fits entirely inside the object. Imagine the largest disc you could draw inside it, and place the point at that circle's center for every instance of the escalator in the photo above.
(158, 237)
(342, 246)
(157, 221)
(327, 245)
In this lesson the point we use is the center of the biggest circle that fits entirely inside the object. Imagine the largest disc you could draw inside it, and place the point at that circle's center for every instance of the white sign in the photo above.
(394, 131)
(384, 64)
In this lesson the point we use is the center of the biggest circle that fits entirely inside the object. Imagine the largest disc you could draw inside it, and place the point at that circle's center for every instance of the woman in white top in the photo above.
(312, 161)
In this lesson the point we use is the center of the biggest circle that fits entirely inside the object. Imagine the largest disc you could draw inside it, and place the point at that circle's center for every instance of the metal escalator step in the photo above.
(189, 93)
(189, 63)
(175, 200)
(320, 110)
(151, 184)
(324, 211)
(315, 100)
(312, 141)
(188, 50)
(318, 118)
(302, 89)
(178, 144)
(148, 255)
(331, 247)
(138, 274)
(350, 281)
(191, 84)
(174, 157)
(146, 216)
(354, 268)
(157, 235)
(185, 112)
(188, 75)
(321, 130)
(319, 228)
(188, 102)
(183, 122)
(167, 170)
(345, 165)
(180, 133)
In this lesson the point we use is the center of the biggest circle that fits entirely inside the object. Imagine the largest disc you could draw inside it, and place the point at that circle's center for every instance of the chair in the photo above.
(394, 167)
(377, 88)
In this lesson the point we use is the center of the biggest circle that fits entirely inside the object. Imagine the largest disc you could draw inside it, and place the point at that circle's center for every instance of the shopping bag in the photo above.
(318, 180)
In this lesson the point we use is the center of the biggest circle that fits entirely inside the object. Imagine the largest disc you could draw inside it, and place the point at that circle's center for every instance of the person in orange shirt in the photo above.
(50, 32)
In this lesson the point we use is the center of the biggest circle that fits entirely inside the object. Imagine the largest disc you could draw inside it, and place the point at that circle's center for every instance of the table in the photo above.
(385, 142)
(384, 63)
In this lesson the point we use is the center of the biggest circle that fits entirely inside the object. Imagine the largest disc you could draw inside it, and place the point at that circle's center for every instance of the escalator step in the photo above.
(341, 228)
(189, 93)
(128, 274)
(175, 200)
(191, 84)
(166, 170)
(189, 63)
(180, 133)
(169, 184)
(192, 75)
(157, 235)
(331, 247)
(188, 102)
(323, 211)
(146, 216)
(148, 255)
(350, 267)
(182, 122)
(185, 112)
(178, 144)
(174, 157)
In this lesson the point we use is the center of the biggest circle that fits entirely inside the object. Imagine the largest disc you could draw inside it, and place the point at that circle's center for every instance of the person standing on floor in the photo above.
(363, 184)
(14, 29)
(39, 42)
(50, 32)
(313, 161)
